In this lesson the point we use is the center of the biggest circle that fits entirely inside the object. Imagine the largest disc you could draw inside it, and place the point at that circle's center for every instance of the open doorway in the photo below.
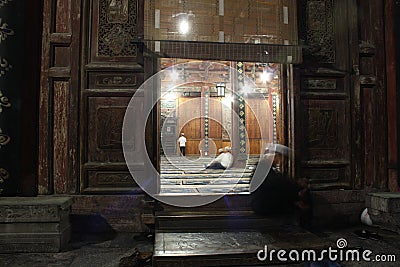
(223, 82)
(217, 105)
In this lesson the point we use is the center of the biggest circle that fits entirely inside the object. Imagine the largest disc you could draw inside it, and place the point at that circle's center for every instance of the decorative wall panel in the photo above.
(11, 51)
(312, 84)
(105, 117)
(115, 80)
(324, 136)
(321, 125)
(115, 24)
(241, 109)
(207, 122)
(109, 179)
(317, 29)
(104, 167)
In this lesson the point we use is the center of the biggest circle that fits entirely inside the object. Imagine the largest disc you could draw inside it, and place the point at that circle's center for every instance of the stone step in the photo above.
(384, 210)
(195, 190)
(204, 181)
(225, 203)
(216, 220)
(224, 248)
(385, 202)
(189, 176)
(227, 213)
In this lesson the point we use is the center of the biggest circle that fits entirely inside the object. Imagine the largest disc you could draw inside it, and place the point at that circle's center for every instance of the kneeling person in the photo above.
(223, 161)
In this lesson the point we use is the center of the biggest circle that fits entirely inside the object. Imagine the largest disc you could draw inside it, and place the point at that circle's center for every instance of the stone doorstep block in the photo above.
(34, 243)
(34, 209)
(385, 202)
(34, 224)
(385, 220)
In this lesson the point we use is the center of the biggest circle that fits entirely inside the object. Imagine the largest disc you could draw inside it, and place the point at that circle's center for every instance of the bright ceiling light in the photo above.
(266, 76)
(184, 26)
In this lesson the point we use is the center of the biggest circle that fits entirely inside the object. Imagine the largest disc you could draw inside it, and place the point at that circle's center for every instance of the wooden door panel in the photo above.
(322, 136)
(215, 130)
(104, 168)
(324, 128)
(215, 119)
(258, 125)
(104, 135)
(113, 71)
(189, 117)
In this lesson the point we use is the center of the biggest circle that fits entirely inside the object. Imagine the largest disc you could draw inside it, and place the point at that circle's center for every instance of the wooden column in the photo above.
(206, 119)
(59, 94)
(241, 111)
(390, 42)
(392, 34)
(373, 93)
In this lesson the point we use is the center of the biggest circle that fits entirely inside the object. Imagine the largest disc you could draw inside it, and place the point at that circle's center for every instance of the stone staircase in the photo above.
(223, 233)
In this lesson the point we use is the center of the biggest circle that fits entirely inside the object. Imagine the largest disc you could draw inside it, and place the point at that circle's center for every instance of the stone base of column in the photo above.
(34, 224)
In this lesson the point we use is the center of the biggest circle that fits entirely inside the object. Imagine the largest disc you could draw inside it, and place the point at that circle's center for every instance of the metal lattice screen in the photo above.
(253, 30)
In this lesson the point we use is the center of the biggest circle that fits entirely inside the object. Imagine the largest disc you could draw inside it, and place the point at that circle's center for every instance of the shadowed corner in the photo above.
(90, 229)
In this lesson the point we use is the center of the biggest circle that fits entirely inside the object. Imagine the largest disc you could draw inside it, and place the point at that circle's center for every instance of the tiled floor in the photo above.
(188, 175)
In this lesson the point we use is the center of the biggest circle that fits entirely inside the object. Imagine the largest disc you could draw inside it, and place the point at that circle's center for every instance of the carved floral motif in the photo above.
(5, 31)
(4, 139)
(117, 28)
(317, 30)
(4, 66)
(4, 102)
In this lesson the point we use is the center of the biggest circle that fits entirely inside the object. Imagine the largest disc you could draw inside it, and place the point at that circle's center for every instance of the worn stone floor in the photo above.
(95, 250)
(108, 249)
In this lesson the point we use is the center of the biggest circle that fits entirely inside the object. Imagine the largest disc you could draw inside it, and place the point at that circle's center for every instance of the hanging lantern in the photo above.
(221, 89)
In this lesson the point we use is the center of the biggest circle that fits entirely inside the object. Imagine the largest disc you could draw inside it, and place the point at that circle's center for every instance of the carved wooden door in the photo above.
(112, 70)
(327, 108)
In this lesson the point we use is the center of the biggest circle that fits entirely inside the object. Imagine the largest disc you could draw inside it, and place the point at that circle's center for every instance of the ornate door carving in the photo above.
(112, 71)
(327, 100)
